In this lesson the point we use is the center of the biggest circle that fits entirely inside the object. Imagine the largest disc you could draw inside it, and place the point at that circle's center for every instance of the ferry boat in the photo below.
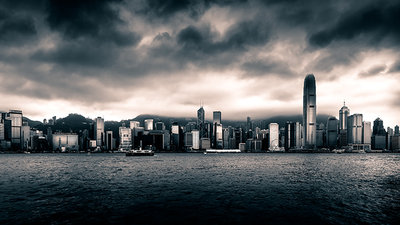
(338, 151)
(140, 153)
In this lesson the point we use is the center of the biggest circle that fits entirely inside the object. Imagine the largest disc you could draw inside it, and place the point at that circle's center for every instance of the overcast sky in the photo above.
(119, 59)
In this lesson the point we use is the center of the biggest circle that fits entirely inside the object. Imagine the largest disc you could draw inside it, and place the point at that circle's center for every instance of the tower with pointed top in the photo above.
(309, 112)
(200, 121)
(344, 112)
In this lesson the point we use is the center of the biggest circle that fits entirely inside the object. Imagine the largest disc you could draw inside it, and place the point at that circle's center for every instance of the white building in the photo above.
(196, 139)
(148, 124)
(99, 131)
(299, 136)
(134, 124)
(125, 137)
(65, 142)
(218, 136)
(354, 129)
(273, 137)
(366, 133)
(2, 137)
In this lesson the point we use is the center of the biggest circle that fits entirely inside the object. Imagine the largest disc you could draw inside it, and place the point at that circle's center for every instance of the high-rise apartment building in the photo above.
(354, 129)
(99, 131)
(148, 124)
(273, 136)
(15, 116)
(332, 132)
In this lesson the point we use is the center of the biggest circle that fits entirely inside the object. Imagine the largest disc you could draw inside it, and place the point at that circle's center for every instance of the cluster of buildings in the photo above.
(349, 132)
(16, 135)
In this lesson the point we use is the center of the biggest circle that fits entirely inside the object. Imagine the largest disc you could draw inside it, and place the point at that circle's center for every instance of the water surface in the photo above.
(200, 189)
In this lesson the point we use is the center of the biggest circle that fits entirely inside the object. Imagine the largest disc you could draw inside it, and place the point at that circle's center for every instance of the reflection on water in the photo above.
(198, 189)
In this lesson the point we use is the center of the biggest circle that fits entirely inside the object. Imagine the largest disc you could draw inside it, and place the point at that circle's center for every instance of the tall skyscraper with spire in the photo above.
(344, 112)
(200, 121)
(309, 112)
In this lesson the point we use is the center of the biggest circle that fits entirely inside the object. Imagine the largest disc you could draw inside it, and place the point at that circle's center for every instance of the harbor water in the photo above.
(200, 189)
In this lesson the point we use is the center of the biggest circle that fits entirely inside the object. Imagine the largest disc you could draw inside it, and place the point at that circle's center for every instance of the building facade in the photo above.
(332, 132)
(65, 142)
(273, 136)
(148, 124)
(99, 131)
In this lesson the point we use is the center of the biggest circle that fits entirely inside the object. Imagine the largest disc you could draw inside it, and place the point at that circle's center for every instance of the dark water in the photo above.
(200, 189)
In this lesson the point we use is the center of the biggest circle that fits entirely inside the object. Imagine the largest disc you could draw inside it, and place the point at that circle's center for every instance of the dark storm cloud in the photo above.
(78, 54)
(16, 29)
(269, 66)
(57, 86)
(203, 47)
(169, 7)
(333, 58)
(23, 5)
(165, 9)
(93, 19)
(377, 21)
(199, 42)
(116, 42)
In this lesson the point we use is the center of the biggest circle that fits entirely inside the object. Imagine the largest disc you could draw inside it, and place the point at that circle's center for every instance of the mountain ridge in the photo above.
(76, 122)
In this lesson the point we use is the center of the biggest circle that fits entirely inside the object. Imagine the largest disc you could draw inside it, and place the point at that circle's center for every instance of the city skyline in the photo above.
(119, 59)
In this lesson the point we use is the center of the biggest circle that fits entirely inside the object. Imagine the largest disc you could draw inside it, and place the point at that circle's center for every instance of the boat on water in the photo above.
(338, 151)
(140, 153)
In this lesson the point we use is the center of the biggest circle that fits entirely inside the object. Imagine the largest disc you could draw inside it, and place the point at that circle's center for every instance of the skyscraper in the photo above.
(299, 136)
(217, 117)
(249, 124)
(109, 140)
(273, 136)
(309, 112)
(1, 130)
(378, 128)
(344, 112)
(200, 121)
(125, 139)
(15, 116)
(196, 139)
(366, 134)
(389, 135)
(217, 129)
(290, 135)
(331, 132)
(148, 124)
(160, 126)
(354, 129)
(133, 124)
(99, 131)
(378, 135)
